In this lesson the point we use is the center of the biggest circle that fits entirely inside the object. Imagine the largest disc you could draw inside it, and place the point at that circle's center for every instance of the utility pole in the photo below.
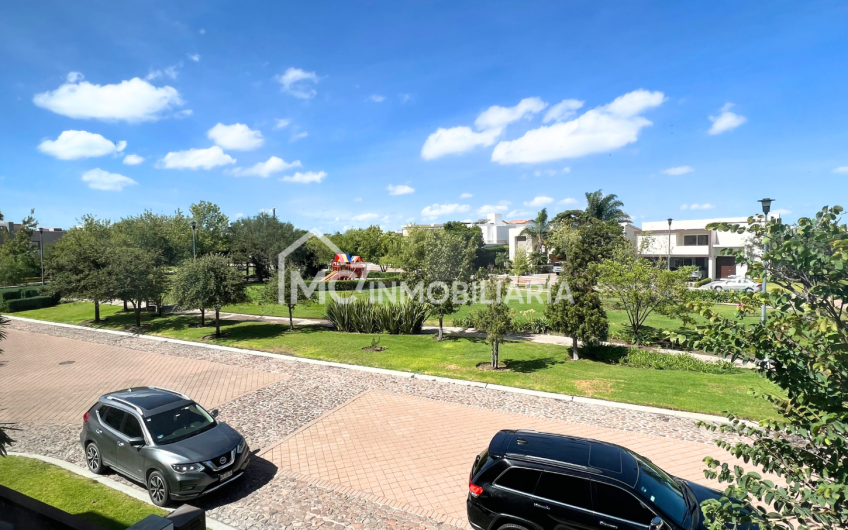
(669, 243)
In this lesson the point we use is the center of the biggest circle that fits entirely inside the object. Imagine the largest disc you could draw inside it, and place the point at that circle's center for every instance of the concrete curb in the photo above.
(115, 485)
(490, 386)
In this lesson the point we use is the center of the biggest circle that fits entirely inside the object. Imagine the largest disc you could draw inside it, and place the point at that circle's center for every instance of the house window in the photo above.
(693, 241)
(703, 240)
(521, 238)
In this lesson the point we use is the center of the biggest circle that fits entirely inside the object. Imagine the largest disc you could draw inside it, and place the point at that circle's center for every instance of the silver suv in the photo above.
(165, 440)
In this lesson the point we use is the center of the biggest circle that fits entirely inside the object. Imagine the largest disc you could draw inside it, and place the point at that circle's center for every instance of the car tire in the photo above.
(157, 488)
(512, 526)
(718, 289)
(93, 459)
(748, 290)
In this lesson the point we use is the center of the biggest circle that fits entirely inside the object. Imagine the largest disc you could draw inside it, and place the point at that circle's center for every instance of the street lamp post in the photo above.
(41, 248)
(669, 244)
(766, 209)
(194, 238)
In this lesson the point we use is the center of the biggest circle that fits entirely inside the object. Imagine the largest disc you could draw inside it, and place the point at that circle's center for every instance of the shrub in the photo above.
(35, 302)
(384, 275)
(716, 297)
(462, 322)
(705, 281)
(10, 295)
(664, 361)
(363, 316)
(350, 285)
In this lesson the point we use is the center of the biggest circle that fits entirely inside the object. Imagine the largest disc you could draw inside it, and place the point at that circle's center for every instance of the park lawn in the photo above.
(533, 366)
(74, 494)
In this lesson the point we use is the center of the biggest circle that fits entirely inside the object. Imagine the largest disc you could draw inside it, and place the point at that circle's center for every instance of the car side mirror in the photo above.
(656, 524)
(214, 413)
(138, 441)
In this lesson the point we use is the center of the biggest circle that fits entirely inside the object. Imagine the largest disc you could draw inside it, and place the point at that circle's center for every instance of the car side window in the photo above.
(112, 417)
(565, 489)
(519, 479)
(615, 502)
(131, 428)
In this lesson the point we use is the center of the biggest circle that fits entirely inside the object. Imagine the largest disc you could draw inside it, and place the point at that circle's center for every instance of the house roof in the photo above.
(519, 222)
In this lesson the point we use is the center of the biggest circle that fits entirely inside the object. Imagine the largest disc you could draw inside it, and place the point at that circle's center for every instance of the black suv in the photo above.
(538, 481)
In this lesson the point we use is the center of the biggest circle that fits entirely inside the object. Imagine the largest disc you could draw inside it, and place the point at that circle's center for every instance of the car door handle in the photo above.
(98, 431)
(121, 444)
(607, 525)
(542, 506)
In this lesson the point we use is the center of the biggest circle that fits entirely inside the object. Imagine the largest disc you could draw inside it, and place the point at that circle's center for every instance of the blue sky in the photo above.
(351, 113)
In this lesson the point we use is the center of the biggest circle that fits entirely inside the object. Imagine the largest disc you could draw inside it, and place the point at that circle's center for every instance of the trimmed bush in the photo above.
(716, 297)
(350, 285)
(10, 295)
(665, 361)
(35, 302)
(384, 275)
(705, 281)
(362, 316)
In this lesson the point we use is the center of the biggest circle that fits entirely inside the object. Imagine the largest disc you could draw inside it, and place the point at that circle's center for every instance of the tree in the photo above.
(212, 228)
(538, 231)
(168, 237)
(5, 439)
(605, 207)
(17, 255)
(521, 264)
(258, 240)
(803, 349)
(136, 276)
(190, 288)
(78, 263)
(643, 287)
(495, 319)
(291, 295)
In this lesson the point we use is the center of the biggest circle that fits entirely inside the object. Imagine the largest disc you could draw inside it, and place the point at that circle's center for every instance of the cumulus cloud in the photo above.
(298, 136)
(496, 117)
(73, 145)
(541, 200)
(564, 109)
(400, 189)
(196, 159)
(598, 130)
(438, 210)
(726, 121)
(133, 160)
(171, 72)
(501, 206)
(679, 170)
(456, 140)
(466, 196)
(265, 169)
(298, 83)
(364, 217)
(98, 179)
(705, 206)
(843, 169)
(376, 98)
(305, 178)
(281, 123)
(236, 137)
(135, 100)
(568, 200)
(517, 213)
(183, 114)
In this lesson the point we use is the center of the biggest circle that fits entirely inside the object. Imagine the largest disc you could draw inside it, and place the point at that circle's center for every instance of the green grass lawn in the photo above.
(533, 366)
(74, 494)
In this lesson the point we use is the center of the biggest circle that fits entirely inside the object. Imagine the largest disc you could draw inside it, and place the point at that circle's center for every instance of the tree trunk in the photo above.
(575, 349)
(137, 309)
(441, 333)
(291, 322)
(96, 311)
(125, 306)
(495, 353)
(202, 317)
(217, 323)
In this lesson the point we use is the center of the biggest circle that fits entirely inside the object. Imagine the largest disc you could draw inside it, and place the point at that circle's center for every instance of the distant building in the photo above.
(495, 230)
(50, 235)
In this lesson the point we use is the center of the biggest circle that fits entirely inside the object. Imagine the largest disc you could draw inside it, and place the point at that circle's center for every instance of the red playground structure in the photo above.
(347, 267)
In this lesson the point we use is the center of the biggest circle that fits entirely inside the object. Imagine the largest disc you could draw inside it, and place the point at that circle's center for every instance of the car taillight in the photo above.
(474, 489)
(759, 286)
(85, 417)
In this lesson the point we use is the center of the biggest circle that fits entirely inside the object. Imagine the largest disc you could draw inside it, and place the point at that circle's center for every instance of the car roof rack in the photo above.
(170, 391)
(127, 403)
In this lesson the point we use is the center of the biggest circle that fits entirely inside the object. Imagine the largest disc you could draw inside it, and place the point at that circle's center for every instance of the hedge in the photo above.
(351, 285)
(717, 297)
(384, 275)
(36, 302)
(10, 295)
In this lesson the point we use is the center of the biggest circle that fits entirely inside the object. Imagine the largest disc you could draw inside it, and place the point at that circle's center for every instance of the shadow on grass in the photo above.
(605, 354)
(530, 365)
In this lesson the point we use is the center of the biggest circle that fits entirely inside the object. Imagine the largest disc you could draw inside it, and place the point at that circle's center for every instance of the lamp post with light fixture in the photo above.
(766, 209)
(669, 244)
(194, 238)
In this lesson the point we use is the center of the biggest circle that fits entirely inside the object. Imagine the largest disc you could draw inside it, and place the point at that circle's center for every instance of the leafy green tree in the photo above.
(5, 439)
(605, 207)
(803, 349)
(168, 237)
(190, 288)
(212, 228)
(78, 263)
(643, 287)
(225, 285)
(258, 240)
(521, 263)
(137, 276)
(495, 319)
(291, 296)
(473, 235)
(17, 254)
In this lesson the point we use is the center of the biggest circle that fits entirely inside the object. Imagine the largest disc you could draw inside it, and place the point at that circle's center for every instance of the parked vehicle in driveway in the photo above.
(557, 268)
(528, 480)
(165, 440)
(734, 284)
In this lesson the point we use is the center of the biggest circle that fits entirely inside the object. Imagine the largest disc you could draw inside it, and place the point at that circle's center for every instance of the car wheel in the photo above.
(92, 459)
(717, 289)
(158, 489)
(511, 526)
(748, 290)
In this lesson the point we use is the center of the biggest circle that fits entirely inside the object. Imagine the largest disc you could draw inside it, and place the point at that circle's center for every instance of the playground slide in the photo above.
(331, 276)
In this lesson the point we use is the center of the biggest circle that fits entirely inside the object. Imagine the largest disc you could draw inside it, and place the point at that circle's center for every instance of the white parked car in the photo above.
(734, 284)
(557, 268)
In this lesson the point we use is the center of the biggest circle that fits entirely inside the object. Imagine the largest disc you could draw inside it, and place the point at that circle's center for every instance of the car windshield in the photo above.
(178, 424)
(659, 489)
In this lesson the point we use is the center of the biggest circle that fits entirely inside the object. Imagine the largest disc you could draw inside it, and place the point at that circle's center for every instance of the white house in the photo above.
(517, 239)
(690, 243)
(496, 231)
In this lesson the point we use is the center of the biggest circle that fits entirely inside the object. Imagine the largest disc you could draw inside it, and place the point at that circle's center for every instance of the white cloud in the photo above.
(404, 97)
(171, 72)
(598, 130)
(501, 206)
(564, 109)
(298, 83)
(236, 137)
(550, 172)
(194, 57)
(133, 101)
(239, 215)
(726, 121)
(133, 160)
(438, 210)
(281, 123)
(183, 114)
(541, 200)
(98, 179)
(73, 145)
(517, 213)
(196, 159)
(496, 117)
(364, 217)
(298, 136)
(265, 169)
(679, 170)
(202, 31)
(705, 206)
(400, 189)
(843, 169)
(568, 200)
(376, 98)
(466, 196)
(305, 178)
(456, 140)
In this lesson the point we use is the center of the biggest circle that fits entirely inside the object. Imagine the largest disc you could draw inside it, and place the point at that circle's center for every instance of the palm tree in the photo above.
(539, 230)
(605, 207)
